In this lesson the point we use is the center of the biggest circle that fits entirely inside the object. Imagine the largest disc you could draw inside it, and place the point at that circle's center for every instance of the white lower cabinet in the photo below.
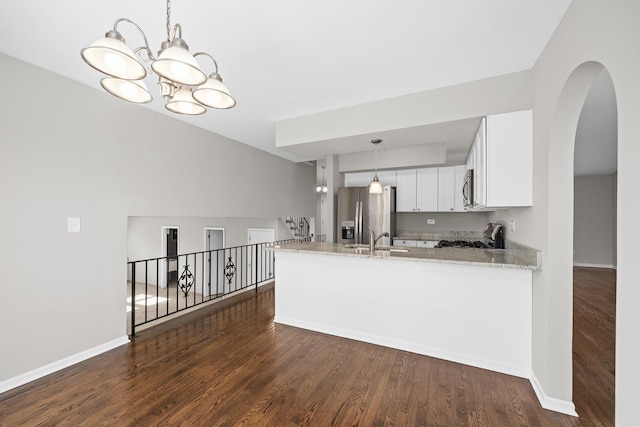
(427, 243)
(405, 243)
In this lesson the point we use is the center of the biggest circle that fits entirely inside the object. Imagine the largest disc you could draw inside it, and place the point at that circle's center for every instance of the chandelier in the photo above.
(186, 89)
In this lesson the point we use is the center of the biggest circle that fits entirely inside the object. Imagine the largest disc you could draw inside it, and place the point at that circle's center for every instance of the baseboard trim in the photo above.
(43, 371)
(551, 403)
(586, 264)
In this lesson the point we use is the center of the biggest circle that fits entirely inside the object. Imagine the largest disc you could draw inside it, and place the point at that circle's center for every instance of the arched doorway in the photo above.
(594, 253)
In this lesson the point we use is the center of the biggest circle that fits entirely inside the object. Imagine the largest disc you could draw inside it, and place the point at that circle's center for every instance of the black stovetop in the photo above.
(462, 244)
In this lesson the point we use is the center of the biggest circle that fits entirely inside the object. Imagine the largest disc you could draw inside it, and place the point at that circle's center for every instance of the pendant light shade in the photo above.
(178, 65)
(376, 186)
(129, 90)
(110, 55)
(322, 188)
(213, 93)
(183, 103)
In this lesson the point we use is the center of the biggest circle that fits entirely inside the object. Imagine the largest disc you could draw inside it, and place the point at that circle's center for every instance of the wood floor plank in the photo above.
(230, 365)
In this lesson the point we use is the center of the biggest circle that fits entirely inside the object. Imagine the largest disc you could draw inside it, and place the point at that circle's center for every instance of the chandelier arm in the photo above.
(211, 57)
(177, 29)
(144, 36)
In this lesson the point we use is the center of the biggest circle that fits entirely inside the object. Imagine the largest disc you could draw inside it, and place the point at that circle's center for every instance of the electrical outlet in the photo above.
(431, 221)
(512, 225)
(73, 225)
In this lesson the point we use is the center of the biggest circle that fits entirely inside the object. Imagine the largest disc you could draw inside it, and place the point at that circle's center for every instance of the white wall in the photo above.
(594, 229)
(68, 150)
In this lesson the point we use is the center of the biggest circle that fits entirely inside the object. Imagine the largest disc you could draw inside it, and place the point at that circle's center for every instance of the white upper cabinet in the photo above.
(450, 182)
(363, 179)
(503, 161)
(406, 190)
(446, 189)
(387, 178)
(458, 200)
(358, 179)
(417, 190)
(427, 190)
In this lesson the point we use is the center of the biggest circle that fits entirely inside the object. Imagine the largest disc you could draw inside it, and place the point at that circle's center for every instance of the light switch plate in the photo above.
(73, 225)
(431, 221)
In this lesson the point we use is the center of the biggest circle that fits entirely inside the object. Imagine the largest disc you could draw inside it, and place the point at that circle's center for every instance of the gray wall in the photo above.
(592, 35)
(594, 235)
(68, 150)
(144, 233)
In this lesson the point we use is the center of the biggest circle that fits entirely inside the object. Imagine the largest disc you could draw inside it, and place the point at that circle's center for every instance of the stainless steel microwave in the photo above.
(467, 189)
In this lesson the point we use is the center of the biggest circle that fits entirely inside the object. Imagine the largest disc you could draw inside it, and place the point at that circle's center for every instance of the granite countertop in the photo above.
(516, 256)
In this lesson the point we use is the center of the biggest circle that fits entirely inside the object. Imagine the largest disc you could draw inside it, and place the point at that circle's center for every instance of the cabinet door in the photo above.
(480, 171)
(509, 165)
(405, 243)
(458, 200)
(357, 179)
(427, 190)
(406, 190)
(446, 189)
(427, 243)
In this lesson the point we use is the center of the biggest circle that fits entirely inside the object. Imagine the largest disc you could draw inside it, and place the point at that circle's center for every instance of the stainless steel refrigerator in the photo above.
(358, 210)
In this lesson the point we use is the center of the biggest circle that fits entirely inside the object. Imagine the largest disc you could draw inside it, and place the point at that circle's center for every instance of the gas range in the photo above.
(462, 244)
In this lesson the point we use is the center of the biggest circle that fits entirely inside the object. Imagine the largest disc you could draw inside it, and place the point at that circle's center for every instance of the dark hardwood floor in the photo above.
(230, 365)
(594, 335)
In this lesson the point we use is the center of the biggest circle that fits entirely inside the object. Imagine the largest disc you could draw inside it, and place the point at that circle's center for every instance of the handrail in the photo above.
(204, 276)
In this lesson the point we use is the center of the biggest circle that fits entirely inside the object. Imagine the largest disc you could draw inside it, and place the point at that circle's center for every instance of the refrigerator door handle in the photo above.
(357, 224)
(360, 221)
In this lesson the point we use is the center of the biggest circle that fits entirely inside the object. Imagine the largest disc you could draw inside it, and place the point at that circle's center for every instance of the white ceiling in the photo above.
(288, 58)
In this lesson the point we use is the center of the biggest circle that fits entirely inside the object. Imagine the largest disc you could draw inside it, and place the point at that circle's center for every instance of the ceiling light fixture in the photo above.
(322, 188)
(376, 186)
(182, 83)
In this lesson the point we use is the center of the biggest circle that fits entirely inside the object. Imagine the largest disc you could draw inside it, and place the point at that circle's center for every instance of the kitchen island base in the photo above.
(475, 315)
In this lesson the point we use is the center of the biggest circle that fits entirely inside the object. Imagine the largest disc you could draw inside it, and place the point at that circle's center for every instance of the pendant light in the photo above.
(184, 86)
(322, 188)
(376, 186)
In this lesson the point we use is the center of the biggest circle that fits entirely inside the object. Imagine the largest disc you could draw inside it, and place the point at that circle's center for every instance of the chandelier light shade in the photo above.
(129, 90)
(110, 55)
(183, 103)
(213, 93)
(376, 186)
(178, 65)
(184, 86)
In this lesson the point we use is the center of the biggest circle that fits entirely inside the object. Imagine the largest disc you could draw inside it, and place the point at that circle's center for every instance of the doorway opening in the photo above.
(213, 243)
(595, 253)
(170, 244)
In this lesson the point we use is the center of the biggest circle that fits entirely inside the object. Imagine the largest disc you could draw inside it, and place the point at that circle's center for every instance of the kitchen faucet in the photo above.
(373, 240)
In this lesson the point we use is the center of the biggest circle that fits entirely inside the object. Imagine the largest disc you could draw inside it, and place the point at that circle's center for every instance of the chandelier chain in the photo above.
(168, 20)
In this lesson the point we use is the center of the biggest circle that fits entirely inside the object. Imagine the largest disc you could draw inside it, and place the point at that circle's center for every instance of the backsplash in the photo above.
(444, 222)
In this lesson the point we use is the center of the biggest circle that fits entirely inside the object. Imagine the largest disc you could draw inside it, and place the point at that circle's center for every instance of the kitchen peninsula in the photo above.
(471, 306)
